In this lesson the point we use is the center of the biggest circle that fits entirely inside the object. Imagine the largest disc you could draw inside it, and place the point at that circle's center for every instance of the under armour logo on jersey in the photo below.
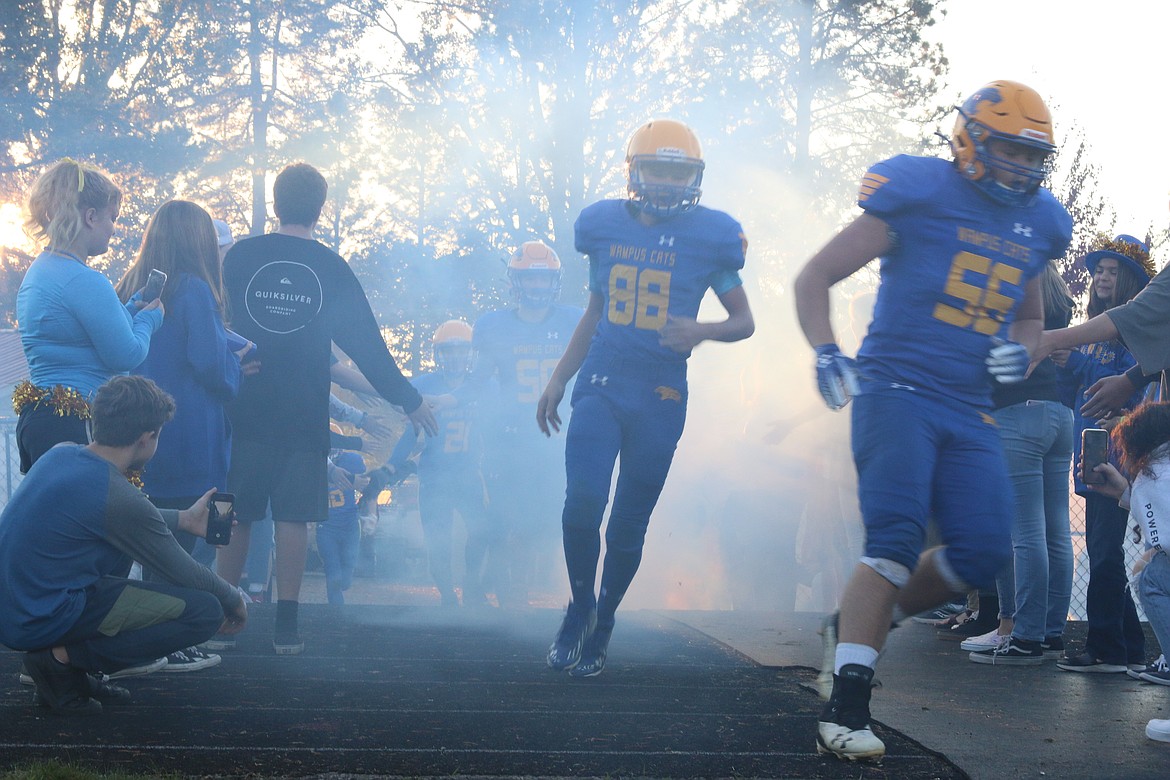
(1022, 230)
(553, 335)
(665, 240)
(598, 380)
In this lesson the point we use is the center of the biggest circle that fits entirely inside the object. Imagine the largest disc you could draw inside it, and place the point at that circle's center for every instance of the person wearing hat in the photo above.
(223, 237)
(1120, 268)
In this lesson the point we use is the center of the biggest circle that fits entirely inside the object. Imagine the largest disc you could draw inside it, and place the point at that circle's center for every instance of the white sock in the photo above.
(848, 653)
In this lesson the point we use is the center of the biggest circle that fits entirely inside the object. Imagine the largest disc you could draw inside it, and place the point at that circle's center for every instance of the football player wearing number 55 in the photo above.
(652, 257)
(962, 247)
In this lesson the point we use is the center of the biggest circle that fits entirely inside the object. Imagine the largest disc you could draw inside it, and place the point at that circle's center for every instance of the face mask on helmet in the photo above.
(535, 273)
(452, 348)
(1003, 140)
(664, 168)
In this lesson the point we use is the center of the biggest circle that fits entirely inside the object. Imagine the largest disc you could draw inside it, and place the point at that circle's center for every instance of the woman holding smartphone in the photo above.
(74, 331)
(189, 358)
(1120, 268)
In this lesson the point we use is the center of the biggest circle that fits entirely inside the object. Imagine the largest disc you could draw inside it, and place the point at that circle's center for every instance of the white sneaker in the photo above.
(1158, 730)
(135, 671)
(849, 744)
(984, 641)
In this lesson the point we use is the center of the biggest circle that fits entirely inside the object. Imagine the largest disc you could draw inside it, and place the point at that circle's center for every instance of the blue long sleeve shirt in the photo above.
(74, 330)
(190, 358)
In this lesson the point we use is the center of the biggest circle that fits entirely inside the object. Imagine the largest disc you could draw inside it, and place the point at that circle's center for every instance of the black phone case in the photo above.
(1094, 452)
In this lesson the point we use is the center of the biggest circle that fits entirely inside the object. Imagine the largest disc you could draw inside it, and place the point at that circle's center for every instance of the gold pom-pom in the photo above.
(135, 479)
(65, 401)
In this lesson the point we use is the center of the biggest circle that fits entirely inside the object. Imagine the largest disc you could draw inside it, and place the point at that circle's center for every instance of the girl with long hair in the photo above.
(1120, 268)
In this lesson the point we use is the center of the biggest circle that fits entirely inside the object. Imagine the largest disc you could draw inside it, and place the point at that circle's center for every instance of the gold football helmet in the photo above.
(664, 168)
(1007, 112)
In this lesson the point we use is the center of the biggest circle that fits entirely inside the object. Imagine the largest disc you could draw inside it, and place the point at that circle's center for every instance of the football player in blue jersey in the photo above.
(449, 477)
(962, 246)
(517, 349)
(652, 257)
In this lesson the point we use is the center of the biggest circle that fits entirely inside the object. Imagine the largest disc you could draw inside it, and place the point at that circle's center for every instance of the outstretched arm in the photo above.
(548, 419)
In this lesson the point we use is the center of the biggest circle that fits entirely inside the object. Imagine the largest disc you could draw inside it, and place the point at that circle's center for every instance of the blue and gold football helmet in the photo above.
(452, 348)
(1009, 112)
(664, 168)
(535, 273)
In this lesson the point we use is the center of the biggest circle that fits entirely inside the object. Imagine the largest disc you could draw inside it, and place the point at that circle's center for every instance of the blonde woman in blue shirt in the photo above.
(75, 332)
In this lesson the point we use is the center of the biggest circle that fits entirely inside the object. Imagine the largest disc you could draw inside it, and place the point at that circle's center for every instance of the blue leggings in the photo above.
(636, 412)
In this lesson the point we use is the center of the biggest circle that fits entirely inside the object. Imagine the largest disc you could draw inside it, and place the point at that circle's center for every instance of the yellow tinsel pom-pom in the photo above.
(65, 401)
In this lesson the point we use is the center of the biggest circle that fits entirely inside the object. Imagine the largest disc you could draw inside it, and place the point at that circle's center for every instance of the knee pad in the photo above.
(891, 571)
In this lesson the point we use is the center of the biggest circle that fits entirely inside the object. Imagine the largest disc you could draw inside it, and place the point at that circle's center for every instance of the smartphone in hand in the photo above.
(1094, 452)
(154, 285)
(221, 511)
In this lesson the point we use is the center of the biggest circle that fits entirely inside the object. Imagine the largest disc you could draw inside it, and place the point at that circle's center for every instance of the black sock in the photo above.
(286, 615)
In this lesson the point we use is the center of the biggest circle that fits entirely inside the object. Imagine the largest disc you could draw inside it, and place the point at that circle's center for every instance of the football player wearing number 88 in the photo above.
(652, 257)
(962, 246)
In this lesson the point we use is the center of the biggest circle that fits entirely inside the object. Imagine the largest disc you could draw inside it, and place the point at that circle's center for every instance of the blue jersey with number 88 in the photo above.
(647, 272)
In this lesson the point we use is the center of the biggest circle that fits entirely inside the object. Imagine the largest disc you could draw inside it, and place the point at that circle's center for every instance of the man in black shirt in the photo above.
(293, 297)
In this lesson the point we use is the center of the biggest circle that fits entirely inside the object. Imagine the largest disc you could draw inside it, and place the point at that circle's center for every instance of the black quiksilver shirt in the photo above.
(293, 297)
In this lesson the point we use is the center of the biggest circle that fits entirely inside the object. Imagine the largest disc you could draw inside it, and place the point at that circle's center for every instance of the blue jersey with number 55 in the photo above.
(647, 272)
(955, 276)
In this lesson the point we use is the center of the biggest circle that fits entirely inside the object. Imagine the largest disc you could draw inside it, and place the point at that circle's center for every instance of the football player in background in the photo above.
(962, 247)
(516, 350)
(449, 477)
(652, 257)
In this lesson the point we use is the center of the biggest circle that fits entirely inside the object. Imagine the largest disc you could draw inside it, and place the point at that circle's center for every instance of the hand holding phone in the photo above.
(154, 285)
(221, 511)
(1094, 452)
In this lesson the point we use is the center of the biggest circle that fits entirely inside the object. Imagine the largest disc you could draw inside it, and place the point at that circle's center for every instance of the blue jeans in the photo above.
(1153, 586)
(1038, 442)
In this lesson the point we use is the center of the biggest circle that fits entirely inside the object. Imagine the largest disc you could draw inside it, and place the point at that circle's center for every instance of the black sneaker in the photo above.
(288, 643)
(843, 729)
(939, 616)
(1053, 646)
(1157, 672)
(565, 651)
(593, 653)
(191, 659)
(1010, 652)
(977, 624)
(64, 689)
(1086, 662)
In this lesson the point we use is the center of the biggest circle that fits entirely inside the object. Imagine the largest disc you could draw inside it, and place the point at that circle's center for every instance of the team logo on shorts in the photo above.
(668, 394)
